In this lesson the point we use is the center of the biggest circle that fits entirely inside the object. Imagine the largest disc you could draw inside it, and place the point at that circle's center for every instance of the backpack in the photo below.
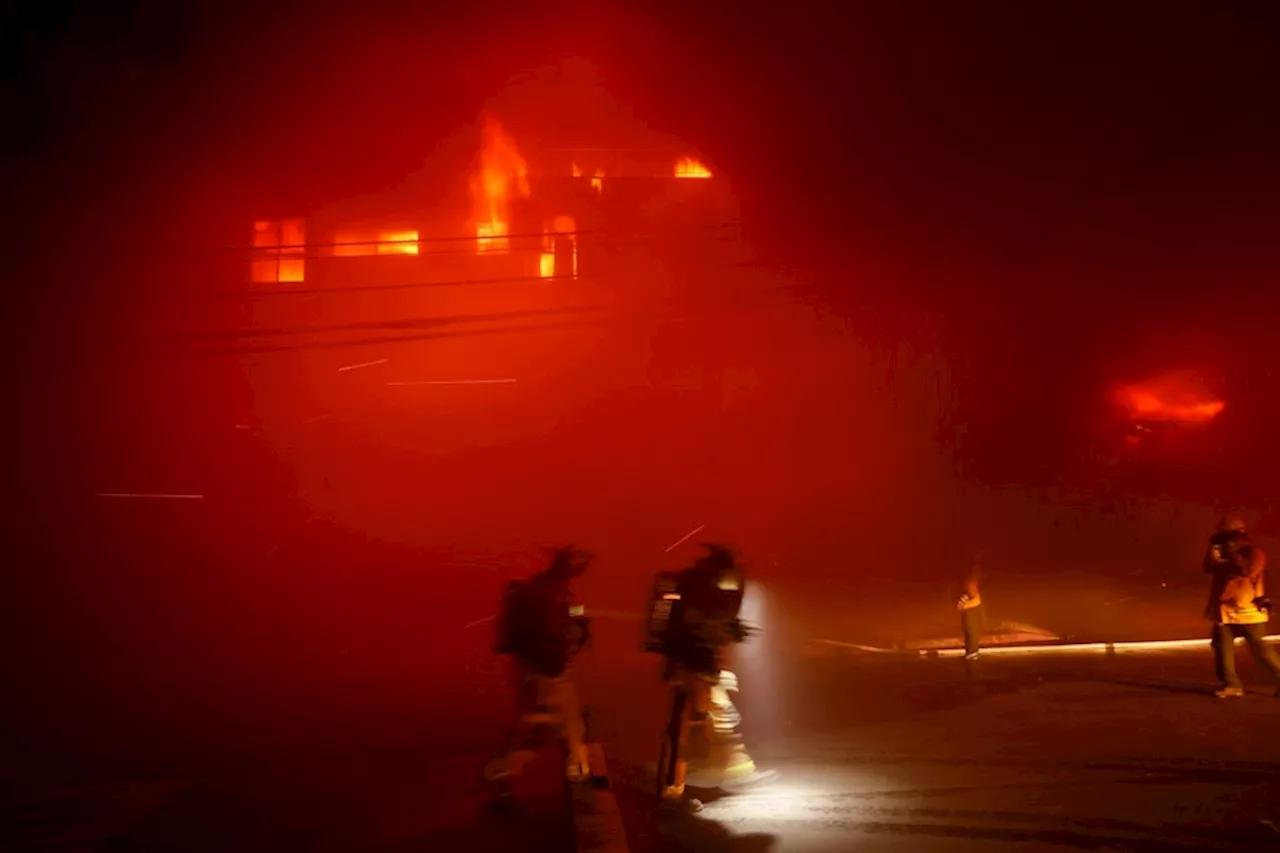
(533, 628)
(514, 625)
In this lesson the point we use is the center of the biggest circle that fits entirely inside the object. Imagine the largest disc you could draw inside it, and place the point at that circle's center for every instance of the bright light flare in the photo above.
(1134, 646)
(774, 802)
(363, 365)
(1178, 396)
(454, 382)
(687, 167)
(547, 264)
(685, 538)
(148, 496)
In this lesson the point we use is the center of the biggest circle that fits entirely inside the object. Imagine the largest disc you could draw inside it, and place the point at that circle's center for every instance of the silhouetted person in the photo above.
(702, 625)
(971, 614)
(1237, 604)
(542, 627)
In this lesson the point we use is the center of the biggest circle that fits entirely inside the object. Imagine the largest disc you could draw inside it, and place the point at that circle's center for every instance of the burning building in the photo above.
(516, 213)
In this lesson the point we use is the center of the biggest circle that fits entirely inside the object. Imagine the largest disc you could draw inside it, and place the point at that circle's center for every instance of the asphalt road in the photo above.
(1044, 752)
(1028, 753)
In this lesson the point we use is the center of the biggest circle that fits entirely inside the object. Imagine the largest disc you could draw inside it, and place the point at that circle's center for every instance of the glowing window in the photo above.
(688, 167)
(279, 251)
(364, 243)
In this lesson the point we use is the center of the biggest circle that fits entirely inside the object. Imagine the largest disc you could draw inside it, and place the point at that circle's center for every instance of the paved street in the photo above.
(1043, 752)
(1051, 752)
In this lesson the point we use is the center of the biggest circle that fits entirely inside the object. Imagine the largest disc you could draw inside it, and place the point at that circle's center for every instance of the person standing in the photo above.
(1237, 606)
(970, 606)
(542, 627)
(702, 625)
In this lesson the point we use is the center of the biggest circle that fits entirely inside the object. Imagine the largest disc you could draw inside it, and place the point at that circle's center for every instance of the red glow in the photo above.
(1177, 397)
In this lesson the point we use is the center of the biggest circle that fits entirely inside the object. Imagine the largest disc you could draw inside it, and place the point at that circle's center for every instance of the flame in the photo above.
(363, 244)
(502, 175)
(1175, 396)
(688, 167)
(566, 228)
(398, 243)
(279, 251)
(597, 181)
(577, 173)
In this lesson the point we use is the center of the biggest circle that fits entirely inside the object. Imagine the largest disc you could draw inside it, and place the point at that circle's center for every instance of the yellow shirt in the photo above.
(1234, 605)
(971, 597)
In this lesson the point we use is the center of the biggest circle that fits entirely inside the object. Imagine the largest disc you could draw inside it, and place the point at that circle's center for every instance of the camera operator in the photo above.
(701, 627)
(1238, 606)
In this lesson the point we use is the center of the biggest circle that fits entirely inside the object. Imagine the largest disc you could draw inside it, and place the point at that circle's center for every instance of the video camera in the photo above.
(1225, 545)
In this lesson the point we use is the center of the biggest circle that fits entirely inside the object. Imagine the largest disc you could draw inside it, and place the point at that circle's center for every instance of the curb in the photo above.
(597, 823)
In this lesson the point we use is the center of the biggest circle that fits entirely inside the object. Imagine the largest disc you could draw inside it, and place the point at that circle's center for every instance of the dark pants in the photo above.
(1224, 657)
(971, 624)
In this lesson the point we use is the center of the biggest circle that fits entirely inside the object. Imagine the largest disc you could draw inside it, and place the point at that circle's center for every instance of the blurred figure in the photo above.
(694, 622)
(542, 627)
(970, 606)
(1238, 606)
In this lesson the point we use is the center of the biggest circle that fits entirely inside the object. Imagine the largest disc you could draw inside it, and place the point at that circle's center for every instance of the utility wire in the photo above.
(468, 238)
(254, 291)
(402, 330)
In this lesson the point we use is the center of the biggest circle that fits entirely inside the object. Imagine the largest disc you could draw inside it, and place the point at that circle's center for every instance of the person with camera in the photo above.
(1237, 606)
(698, 630)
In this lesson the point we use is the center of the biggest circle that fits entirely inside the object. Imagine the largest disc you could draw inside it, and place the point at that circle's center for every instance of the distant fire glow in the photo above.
(687, 167)
(566, 228)
(502, 175)
(356, 245)
(279, 251)
(1180, 397)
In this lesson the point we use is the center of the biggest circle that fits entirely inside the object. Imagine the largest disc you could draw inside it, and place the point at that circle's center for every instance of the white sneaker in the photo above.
(747, 781)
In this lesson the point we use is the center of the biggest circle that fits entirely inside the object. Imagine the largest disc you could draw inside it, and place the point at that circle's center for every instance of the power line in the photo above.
(242, 342)
(468, 238)
(252, 292)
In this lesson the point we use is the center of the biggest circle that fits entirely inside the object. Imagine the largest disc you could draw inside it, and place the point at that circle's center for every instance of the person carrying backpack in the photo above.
(542, 627)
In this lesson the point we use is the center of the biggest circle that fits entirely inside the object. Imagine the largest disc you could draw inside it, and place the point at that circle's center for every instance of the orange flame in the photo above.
(358, 245)
(597, 181)
(502, 175)
(566, 228)
(279, 251)
(687, 167)
(1177, 396)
